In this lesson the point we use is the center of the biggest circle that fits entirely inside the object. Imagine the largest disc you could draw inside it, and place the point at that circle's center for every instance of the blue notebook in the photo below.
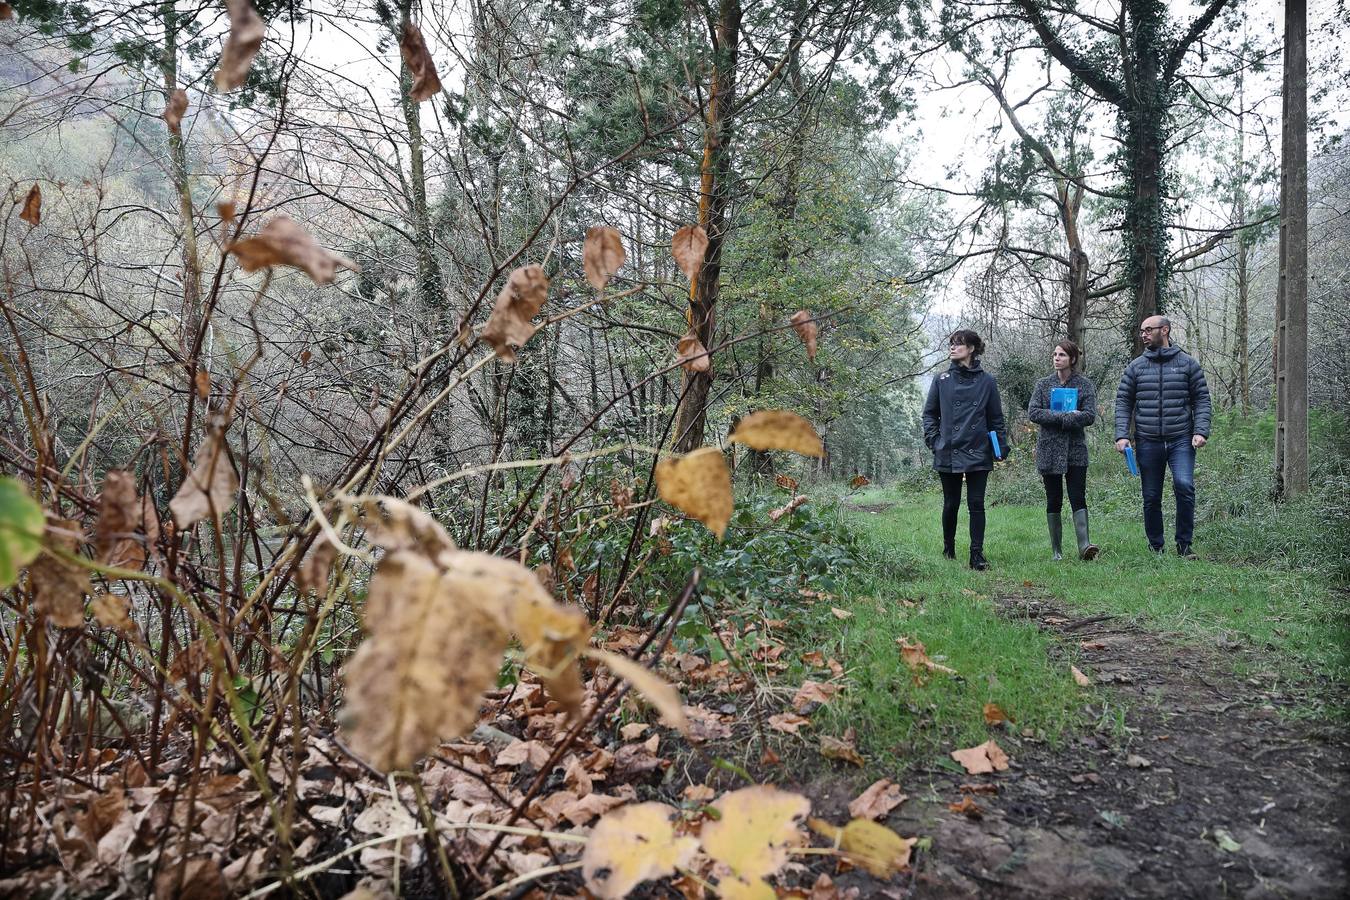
(1063, 399)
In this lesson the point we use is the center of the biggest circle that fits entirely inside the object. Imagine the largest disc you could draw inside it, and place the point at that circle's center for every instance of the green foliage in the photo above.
(21, 523)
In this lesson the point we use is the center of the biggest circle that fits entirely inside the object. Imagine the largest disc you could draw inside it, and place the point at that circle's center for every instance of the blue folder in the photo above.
(1063, 399)
(993, 439)
(1131, 462)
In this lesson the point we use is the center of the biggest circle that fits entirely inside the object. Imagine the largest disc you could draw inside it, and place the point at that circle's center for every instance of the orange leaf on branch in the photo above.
(416, 56)
(283, 242)
(246, 36)
(691, 354)
(520, 300)
(601, 255)
(688, 246)
(175, 109)
(32, 207)
(807, 329)
(778, 429)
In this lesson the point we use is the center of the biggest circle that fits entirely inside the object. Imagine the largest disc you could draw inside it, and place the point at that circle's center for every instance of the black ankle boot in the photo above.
(977, 560)
(949, 551)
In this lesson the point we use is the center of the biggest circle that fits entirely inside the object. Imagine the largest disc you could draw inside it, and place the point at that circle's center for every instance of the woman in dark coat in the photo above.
(963, 406)
(1061, 446)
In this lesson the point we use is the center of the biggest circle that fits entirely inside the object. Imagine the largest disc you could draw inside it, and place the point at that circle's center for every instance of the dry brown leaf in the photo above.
(858, 481)
(583, 809)
(396, 524)
(119, 516)
(246, 36)
(688, 246)
(916, 657)
(691, 354)
(877, 801)
(418, 676)
(601, 255)
(113, 611)
(698, 793)
(994, 714)
(786, 482)
(658, 692)
(633, 730)
(987, 757)
(520, 300)
(793, 504)
(32, 206)
(756, 826)
(841, 749)
(6, 12)
(59, 587)
(698, 485)
(778, 429)
(283, 242)
(1079, 678)
(787, 722)
(202, 380)
(201, 880)
(814, 658)
(967, 807)
(209, 489)
(807, 329)
(189, 662)
(813, 692)
(840, 613)
(863, 842)
(631, 845)
(416, 56)
(519, 753)
(313, 575)
(175, 109)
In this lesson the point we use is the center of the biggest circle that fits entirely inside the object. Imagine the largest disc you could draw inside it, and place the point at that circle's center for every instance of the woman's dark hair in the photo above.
(970, 339)
(1070, 348)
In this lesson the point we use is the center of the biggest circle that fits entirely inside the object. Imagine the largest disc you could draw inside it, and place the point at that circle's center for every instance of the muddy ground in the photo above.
(1213, 792)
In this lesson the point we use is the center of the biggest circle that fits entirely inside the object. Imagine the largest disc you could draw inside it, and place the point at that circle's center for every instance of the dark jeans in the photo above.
(1076, 479)
(951, 504)
(1154, 457)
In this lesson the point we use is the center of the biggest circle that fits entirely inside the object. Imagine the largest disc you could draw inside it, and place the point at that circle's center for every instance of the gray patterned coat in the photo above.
(1062, 441)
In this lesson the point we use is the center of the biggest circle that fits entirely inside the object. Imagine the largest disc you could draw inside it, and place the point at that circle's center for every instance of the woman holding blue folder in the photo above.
(963, 426)
(1063, 404)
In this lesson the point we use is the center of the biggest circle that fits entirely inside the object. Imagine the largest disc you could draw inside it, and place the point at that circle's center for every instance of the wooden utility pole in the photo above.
(1291, 303)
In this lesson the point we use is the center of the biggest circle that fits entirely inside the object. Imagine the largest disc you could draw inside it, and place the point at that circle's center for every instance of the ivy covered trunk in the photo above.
(1145, 219)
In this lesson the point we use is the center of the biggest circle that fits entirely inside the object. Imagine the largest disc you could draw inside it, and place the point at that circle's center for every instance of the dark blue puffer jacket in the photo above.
(1165, 391)
(963, 406)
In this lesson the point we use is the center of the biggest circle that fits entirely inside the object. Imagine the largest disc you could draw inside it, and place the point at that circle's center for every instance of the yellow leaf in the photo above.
(778, 429)
(520, 300)
(688, 246)
(209, 489)
(806, 329)
(418, 676)
(601, 255)
(659, 692)
(631, 845)
(698, 485)
(865, 843)
(756, 827)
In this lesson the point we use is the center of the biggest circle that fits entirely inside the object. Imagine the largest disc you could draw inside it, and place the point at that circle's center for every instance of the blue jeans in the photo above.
(1154, 456)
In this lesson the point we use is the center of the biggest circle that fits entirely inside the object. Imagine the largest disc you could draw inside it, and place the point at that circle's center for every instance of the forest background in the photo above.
(853, 181)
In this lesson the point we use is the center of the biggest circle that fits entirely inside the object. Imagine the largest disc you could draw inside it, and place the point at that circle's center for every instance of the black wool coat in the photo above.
(963, 406)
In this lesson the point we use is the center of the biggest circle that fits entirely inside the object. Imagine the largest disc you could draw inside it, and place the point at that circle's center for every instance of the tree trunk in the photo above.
(190, 319)
(1241, 327)
(1292, 324)
(429, 295)
(1145, 235)
(714, 197)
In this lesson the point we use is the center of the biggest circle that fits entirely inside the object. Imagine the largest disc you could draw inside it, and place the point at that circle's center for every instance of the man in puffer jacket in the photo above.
(1164, 391)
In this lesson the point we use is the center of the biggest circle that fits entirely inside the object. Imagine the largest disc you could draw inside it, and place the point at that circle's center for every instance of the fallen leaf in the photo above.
(786, 482)
(1224, 840)
(967, 807)
(209, 489)
(283, 242)
(981, 788)
(601, 255)
(840, 613)
(844, 750)
(787, 722)
(113, 611)
(699, 485)
(916, 657)
(688, 246)
(1092, 645)
(633, 730)
(119, 516)
(778, 429)
(769, 758)
(1081, 679)
(814, 658)
(994, 714)
(520, 300)
(877, 801)
(417, 59)
(201, 880)
(987, 757)
(813, 692)
(32, 206)
(691, 354)
(246, 36)
(698, 793)
(756, 826)
(59, 587)
(705, 725)
(858, 481)
(174, 110)
(874, 847)
(807, 329)
(658, 692)
(1134, 761)
(521, 752)
(631, 845)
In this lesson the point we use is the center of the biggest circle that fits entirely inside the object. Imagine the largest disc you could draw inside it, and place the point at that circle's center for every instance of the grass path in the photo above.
(1285, 628)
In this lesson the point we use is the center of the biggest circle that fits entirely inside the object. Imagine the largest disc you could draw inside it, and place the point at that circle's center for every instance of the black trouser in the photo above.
(1076, 479)
(951, 504)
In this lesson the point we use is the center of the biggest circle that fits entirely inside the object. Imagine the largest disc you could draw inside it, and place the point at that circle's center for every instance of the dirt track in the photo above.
(1212, 795)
